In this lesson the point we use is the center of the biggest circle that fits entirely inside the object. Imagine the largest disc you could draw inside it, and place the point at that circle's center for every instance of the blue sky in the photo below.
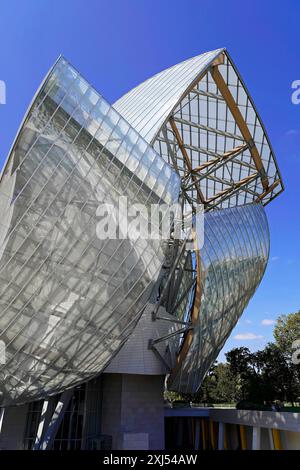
(118, 43)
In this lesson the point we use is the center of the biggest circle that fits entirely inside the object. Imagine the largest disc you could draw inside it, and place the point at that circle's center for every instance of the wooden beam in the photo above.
(219, 60)
(186, 158)
(225, 92)
(211, 206)
(269, 190)
(234, 186)
(194, 315)
(231, 153)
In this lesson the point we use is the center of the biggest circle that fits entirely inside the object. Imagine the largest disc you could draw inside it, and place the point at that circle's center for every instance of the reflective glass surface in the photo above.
(211, 135)
(233, 261)
(69, 299)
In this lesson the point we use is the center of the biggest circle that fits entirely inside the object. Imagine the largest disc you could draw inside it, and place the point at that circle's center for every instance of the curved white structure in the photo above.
(200, 118)
(69, 299)
(233, 261)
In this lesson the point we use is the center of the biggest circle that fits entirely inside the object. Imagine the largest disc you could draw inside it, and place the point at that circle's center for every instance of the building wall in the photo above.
(133, 411)
(135, 356)
(13, 427)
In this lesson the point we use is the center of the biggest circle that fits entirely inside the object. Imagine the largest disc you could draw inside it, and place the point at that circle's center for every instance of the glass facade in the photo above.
(212, 137)
(80, 427)
(199, 116)
(69, 299)
(233, 261)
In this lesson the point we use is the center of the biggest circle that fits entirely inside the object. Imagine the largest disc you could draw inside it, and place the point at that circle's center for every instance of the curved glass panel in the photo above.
(148, 105)
(233, 261)
(68, 298)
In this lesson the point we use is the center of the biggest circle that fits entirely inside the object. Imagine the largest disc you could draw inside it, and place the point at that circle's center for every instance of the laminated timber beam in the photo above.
(231, 185)
(224, 195)
(187, 160)
(225, 157)
(237, 185)
(269, 190)
(241, 123)
(189, 334)
(216, 155)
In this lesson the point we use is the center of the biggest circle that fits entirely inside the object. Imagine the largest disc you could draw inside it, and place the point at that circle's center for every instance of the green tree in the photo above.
(244, 368)
(278, 376)
(286, 331)
(264, 376)
(227, 388)
(219, 386)
(258, 377)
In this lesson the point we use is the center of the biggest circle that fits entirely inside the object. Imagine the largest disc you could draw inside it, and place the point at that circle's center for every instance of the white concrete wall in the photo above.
(288, 425)
(135, 357)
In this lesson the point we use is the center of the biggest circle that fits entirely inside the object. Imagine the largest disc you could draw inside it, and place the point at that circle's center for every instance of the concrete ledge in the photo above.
(265, 419)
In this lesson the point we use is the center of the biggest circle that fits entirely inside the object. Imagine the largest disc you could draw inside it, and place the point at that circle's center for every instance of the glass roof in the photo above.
(199, 117)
